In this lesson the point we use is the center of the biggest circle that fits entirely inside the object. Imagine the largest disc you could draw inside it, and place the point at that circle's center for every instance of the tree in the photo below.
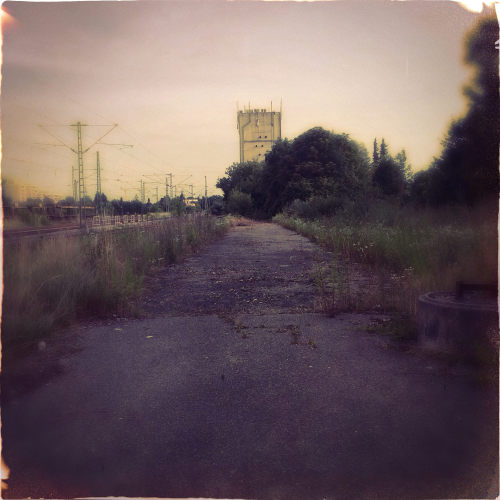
(277, 171)
(422, 187)
(100, 201)
(215, 204)
(402, 162)
(177, 205)
(244, 177)
(317, 163)
(69, 201)
(376, 156)
(383, 149)
(7, 203)
(240, 203)
(33, 202)
(467, 169)
(48, 202)
(87, 201)
(389, 177)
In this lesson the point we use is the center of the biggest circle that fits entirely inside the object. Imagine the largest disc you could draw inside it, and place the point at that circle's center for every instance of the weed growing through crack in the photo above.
(325, 301)
(241, 328)
(295, 333)
(312, 343)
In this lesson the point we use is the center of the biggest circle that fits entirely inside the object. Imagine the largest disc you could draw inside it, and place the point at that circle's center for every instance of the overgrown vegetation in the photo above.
(317, 163)
(53, 281)
(410, 233)
(402, 254)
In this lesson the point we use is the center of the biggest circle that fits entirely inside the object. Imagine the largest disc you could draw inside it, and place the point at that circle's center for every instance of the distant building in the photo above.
(191, 201)
(259, 129)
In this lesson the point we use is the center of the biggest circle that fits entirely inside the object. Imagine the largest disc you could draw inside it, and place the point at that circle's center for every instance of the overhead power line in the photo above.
(80, 151)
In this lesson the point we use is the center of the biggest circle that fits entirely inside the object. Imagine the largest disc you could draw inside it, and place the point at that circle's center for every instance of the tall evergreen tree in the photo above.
(376, 155)
(383, 149)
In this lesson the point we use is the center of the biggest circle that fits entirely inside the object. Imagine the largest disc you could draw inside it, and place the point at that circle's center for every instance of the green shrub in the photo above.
(240, 203)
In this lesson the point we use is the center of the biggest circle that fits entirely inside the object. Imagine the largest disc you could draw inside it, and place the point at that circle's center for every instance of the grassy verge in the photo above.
(52, 281)
(385, 262)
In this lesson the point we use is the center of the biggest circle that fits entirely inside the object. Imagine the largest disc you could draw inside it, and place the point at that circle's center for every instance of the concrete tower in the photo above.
(259, 129)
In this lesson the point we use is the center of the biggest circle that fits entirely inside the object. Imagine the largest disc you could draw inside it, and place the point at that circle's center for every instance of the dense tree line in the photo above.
(316, 165)
(318, 173)
(103, 206)
(322, 172)
(466, 171)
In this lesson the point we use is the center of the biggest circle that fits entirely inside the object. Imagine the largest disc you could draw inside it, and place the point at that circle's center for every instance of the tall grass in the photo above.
(386, 260)
(25, 219)
(50, 282)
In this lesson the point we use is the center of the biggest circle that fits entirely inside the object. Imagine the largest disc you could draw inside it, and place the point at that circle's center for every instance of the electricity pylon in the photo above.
(143, 191)
(98, 166)
(206, 199)
(80, 151)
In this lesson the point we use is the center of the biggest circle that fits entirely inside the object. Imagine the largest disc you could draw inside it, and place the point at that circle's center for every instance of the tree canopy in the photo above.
(467, 169)
(317, 163)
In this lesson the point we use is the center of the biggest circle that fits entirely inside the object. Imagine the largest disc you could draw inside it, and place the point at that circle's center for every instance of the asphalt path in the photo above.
(232, 385)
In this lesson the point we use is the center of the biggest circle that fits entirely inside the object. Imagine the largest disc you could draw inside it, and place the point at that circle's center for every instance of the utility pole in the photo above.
(206, 199)
(98, 190)
(167, 197)
(157, 193)
(74, 183)
(79, 151)
(98, 186)
(142, 191)
(81, 178)
(171, 186)
(192, 192)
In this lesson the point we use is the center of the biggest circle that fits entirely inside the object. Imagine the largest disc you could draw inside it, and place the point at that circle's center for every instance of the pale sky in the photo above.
(171, 74)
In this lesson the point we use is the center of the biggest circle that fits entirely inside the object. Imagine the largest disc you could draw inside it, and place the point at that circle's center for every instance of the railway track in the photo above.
(15, 234)
(104, 224)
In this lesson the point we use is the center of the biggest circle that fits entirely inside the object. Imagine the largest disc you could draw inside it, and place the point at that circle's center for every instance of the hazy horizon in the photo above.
(171, 75)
